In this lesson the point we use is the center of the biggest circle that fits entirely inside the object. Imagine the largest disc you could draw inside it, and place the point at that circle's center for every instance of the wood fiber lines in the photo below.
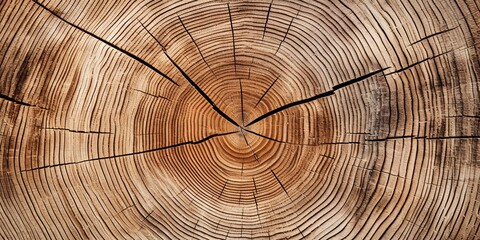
(239, 119)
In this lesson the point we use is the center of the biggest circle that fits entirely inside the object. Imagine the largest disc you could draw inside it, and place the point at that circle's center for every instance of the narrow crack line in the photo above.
(127, 207)
(134, 153)
(422, 137)
(249, 146)
(196, 45)
(244, 137)
(266, 21)
(129, 54)
(300, 144)
(10, 99)
(254, 184)
(451, 137)
(256, 205)
(286, 33)
(303, 236)
(76, 131)
(148, 215)
(358, 133)
(390, 138)
(241, 102)
(149, 94)
(280, 183)
(197, 88)
(196, 223)
(464, 116)
(419, 62)
(183, 190)
(272, 139)
(321, 95)
(266, 91)
(151, 35)
(233, 38)
(433, 35)
(223, 189)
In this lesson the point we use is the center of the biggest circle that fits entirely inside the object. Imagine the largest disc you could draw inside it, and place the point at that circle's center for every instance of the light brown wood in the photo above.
(240, 119)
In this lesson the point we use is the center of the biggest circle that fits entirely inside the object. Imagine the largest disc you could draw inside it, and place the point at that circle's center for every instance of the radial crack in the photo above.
(451, 137)
(196, 45)
(355, 80)
(149, 94)
(299, 144)
(241, 102)
(321, 95)
(233, 38)
(197, 88)
(256, 205)
(223, 189)
(204, 95)
(419, 62)
(266, 21)
(249, 146)
(390, 138)
(293, 104)
(131, 55)
(7, 98)
(266, 91)
(286, 33)
(76, 131)
(280, 183)
(134, 153)
(433, 35)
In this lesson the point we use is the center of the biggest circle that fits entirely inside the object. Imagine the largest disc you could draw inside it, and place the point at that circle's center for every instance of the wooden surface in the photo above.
(240, 119)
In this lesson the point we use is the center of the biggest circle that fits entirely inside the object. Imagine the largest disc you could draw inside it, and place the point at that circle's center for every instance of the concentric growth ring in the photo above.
(239, 119)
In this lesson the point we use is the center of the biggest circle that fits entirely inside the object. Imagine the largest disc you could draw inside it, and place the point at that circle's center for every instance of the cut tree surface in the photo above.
(240, 119)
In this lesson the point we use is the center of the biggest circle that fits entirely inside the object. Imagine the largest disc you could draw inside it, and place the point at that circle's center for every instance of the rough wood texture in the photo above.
(240, 119)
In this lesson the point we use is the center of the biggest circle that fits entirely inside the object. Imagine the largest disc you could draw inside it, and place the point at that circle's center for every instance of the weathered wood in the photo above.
(240, 119)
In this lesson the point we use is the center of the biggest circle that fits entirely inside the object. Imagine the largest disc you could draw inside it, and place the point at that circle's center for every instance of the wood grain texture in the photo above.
(240, 119)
